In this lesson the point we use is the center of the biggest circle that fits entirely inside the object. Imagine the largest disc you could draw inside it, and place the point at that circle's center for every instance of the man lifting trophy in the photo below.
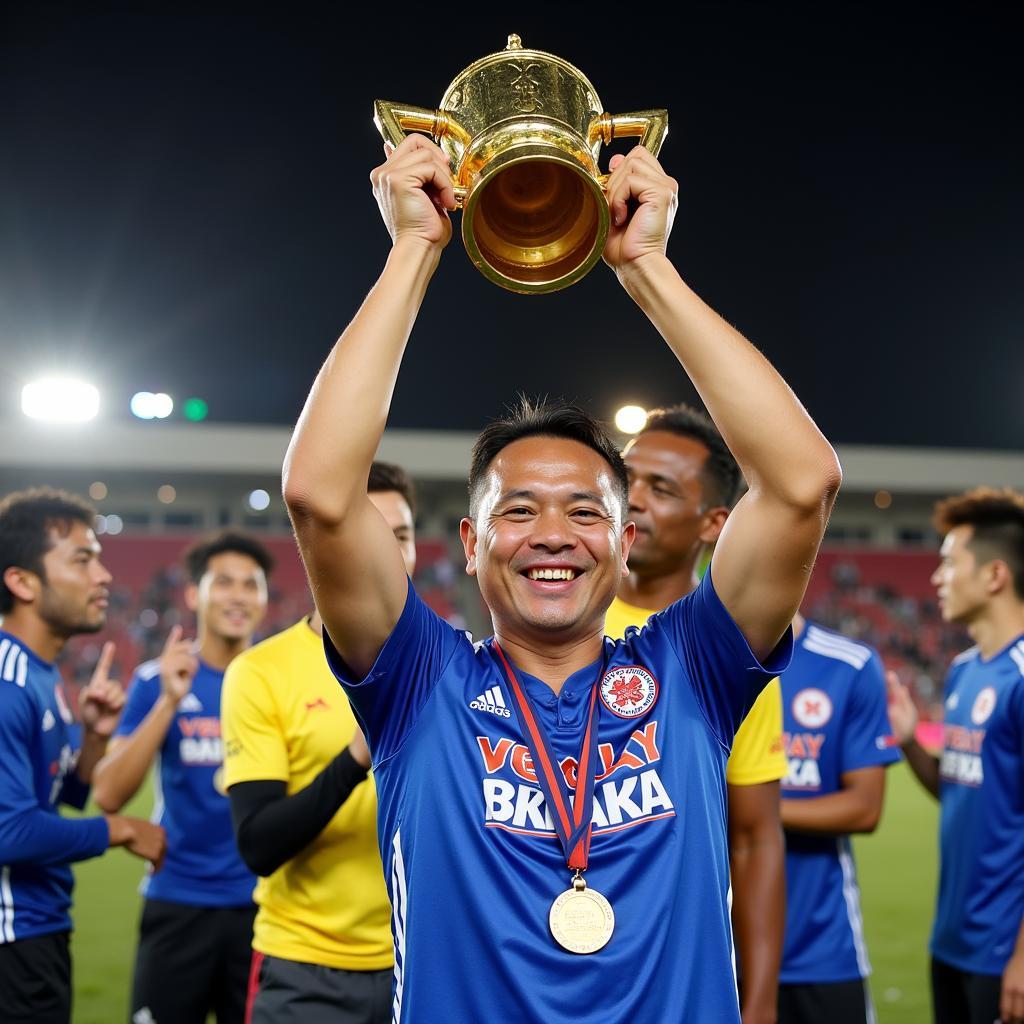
(607, 777)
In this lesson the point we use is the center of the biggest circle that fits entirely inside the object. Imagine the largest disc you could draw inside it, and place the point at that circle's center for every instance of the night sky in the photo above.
(185, 206)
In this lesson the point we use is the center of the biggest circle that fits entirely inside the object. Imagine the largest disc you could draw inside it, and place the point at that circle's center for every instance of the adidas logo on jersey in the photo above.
(493, 702)
(48, 720)
(190, 702)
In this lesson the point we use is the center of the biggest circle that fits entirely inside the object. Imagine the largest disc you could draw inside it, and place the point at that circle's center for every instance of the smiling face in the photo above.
(73, 590)
(667, 503)
(547, 545)
(230, 597)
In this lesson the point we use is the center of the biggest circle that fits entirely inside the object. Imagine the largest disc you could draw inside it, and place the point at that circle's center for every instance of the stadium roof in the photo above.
(184, 207)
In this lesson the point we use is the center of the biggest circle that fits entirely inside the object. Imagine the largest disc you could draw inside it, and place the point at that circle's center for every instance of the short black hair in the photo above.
(26, 521)
(197, 556)
(542, 418)
(386, 476)
(720, 476)
(997, 521)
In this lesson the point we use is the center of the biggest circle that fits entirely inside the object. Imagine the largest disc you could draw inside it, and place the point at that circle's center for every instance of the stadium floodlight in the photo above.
(631, 419)
(147, 405)
(259, 500)
(166, 494)
(114, 525)
(98, 490)
(60, 400)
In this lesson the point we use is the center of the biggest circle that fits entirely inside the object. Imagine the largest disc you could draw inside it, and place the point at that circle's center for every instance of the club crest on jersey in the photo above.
(629, 691)
(984, 705)
(812, 708)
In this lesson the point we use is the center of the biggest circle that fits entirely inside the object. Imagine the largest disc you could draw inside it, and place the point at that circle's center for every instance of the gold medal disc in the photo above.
(581, 920)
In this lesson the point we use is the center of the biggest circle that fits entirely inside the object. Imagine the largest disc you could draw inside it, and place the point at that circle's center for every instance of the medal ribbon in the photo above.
(572, 824)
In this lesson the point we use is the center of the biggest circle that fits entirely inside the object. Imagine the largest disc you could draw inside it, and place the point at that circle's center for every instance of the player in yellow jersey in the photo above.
(682, 483)
(305, 819)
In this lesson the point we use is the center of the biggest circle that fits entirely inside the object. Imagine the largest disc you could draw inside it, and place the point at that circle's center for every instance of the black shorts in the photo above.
(959, 997)
(35, 980)
(839, 1002)
(191, 961)
(288, 992)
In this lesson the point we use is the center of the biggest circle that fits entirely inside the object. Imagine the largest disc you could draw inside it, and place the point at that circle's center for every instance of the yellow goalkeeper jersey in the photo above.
(285, 717)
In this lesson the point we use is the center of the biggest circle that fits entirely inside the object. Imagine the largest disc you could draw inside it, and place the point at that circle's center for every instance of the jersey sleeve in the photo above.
(726, 675)
(389, 699)
(867, 736)
(254, 743)
(758, 754)
(30, 833)
(142, 695)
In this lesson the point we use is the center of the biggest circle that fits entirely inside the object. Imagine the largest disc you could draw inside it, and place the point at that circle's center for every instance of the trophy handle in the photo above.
(395, 120)
(651, 126)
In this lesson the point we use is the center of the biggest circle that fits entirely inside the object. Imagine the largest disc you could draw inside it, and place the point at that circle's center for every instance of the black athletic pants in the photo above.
(191, 961)
(35, 980)
(840, 1002)
(959, 997)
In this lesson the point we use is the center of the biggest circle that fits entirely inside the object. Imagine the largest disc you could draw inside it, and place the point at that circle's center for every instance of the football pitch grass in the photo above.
(896, 866)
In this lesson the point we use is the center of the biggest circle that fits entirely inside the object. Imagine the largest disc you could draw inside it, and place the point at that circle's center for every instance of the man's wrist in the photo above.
(415, 249)
(167, 701)
(645, 271)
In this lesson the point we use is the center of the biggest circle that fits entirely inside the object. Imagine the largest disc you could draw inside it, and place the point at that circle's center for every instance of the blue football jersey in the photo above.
(470, 853)
(203, 866)
(981, 876)
(834, 721)
(37, 760)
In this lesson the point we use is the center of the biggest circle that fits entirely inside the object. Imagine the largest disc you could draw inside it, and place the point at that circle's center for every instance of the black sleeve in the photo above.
(271, 827)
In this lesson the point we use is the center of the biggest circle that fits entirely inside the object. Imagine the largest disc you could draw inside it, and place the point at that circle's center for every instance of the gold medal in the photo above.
(581, 919)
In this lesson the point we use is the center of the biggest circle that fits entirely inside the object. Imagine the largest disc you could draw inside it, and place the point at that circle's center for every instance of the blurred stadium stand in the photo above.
(871, 581)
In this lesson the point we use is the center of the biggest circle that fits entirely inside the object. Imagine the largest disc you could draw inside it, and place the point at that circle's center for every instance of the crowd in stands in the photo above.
(883, 598)
(146, 598)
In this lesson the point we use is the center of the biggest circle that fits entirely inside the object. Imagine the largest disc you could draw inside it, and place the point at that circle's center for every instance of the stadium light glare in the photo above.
(166, 494)
(883, 500)
(259, 500)
(114, 524)
(631, 419)
(98, 490)
(60, 400)
(147, 405)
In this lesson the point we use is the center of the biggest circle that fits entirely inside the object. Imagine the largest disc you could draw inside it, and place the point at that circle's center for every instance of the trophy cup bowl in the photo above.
(523, 131)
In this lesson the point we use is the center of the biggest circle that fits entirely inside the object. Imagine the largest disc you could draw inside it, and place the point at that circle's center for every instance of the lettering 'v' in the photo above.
(496, 756)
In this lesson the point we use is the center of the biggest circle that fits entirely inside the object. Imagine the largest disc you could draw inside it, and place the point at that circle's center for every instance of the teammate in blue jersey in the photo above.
(552, 805)
(196, 930)
(977, 943)
(54, 587)
(839, 743)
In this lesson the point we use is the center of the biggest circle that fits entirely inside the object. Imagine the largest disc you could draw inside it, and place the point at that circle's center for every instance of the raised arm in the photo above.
(150, 711)
(354, 564)
(903, 719)
(764, 557)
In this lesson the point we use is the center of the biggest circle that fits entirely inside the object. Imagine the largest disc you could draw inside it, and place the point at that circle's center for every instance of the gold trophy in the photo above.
(523, 130)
